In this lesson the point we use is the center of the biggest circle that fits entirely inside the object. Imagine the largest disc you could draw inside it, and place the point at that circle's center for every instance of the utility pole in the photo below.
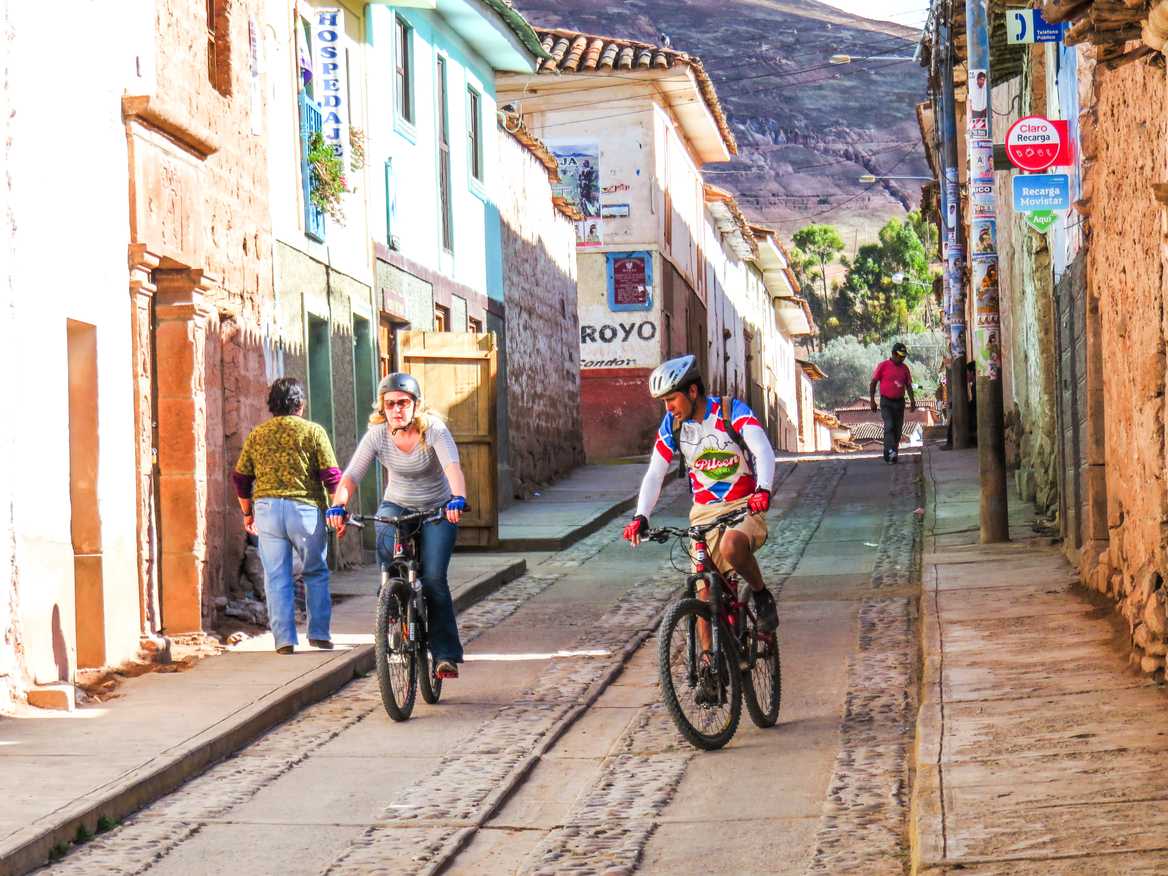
(953, 247)
(987, 326)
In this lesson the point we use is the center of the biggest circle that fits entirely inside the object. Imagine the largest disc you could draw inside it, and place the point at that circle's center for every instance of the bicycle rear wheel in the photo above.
(705, 702)
(397, 667)
(763, 681)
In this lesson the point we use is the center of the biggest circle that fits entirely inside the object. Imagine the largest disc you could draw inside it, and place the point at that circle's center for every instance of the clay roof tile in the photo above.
(572, 62)
(576, 52)
(592, 56)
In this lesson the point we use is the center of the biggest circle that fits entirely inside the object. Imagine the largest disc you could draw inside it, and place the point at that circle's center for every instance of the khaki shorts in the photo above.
(753, 527)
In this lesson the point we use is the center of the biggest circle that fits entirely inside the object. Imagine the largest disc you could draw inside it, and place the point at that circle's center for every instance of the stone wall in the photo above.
(1124, 147)
(237, 246)
(542, 326)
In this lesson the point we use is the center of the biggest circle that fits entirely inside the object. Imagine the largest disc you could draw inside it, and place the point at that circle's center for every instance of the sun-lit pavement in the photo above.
(552, 750)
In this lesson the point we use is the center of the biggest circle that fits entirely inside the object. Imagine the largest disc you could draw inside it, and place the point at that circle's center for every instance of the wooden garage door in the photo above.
(457, 371)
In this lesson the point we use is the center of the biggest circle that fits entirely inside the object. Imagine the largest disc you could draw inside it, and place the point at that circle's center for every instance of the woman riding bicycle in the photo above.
(421, 459)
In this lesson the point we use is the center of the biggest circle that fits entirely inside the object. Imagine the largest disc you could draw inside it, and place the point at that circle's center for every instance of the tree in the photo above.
(849, 363)
(823, 244)
(870, 304)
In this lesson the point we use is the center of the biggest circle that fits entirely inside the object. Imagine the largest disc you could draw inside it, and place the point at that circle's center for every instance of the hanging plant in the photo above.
(328, 177)
(356, 148)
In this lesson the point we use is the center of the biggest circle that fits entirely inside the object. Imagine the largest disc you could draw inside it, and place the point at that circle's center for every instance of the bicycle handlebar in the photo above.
(662, 534)
(430, 516)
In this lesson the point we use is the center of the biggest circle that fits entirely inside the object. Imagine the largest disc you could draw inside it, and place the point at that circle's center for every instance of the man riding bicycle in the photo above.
(731, 465)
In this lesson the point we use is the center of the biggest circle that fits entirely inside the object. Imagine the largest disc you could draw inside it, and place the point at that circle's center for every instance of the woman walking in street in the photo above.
(284, 471)
(421, 459)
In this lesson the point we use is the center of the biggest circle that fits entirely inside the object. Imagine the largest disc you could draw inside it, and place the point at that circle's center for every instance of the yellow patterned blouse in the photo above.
(287, 458)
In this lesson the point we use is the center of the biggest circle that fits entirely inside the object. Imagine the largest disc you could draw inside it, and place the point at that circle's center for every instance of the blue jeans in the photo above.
(437, 544)
(284, 526)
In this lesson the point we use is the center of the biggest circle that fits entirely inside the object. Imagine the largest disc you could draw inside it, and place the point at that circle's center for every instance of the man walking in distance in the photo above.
(894, 380)
(731, 465)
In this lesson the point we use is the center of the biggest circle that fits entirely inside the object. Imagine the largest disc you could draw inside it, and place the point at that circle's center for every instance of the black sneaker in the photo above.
(765, 610)
(707, 692)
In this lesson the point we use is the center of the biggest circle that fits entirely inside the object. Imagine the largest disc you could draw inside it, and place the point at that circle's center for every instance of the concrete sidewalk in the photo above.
(1038, 750)
(63, 771)
(572, 508)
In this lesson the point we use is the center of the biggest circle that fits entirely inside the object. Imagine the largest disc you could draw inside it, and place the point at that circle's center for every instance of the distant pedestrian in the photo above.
(284, 471)
(894, 379)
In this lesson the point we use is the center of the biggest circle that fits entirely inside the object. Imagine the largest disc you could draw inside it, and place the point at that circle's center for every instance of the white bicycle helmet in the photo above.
(673, 375)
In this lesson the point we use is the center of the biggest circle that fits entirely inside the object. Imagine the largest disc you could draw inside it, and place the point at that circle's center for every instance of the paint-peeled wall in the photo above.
(546, 439)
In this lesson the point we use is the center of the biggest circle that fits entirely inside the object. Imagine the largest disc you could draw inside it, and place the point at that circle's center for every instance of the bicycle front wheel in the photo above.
(430, 683)
(763, 686)
(703, 698)
(397, 668)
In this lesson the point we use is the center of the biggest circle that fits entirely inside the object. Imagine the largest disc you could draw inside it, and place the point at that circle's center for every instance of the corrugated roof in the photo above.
(571, 51)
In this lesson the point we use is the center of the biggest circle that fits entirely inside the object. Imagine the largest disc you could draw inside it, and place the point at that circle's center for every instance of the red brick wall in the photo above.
(620, 419)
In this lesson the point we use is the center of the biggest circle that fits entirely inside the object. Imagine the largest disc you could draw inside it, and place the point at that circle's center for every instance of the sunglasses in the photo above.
(401, 403)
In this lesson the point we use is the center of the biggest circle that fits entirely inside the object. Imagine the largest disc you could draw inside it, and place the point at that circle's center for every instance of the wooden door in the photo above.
(457, 372)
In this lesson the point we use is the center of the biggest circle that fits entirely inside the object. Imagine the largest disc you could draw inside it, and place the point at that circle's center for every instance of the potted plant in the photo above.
(328, 177)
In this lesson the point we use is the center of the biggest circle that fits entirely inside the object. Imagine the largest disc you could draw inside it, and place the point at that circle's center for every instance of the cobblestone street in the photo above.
(553, 752)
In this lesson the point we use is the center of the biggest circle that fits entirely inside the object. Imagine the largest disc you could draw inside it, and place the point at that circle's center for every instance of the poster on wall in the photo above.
(330, 80)
(985, 288)
(985, 236)
(978, 105)
(579, 167)
(588, 233)
(630, 280)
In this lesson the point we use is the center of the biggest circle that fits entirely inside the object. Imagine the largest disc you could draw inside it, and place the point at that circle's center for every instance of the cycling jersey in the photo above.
(719, 471)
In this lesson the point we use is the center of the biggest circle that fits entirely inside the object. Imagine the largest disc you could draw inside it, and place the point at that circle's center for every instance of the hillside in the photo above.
(806, 129)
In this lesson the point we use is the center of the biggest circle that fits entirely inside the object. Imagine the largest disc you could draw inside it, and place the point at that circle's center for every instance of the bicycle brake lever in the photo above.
(353, 522)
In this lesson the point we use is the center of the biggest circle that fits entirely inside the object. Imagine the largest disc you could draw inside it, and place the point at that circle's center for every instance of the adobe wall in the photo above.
(542, 326)
(1028, 322)
(1125, 276)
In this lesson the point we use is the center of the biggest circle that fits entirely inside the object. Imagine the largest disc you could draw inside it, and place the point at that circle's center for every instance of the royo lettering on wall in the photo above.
(328, 26)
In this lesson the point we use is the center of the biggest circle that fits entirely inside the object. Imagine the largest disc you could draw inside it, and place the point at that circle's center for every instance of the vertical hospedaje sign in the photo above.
(331, 89)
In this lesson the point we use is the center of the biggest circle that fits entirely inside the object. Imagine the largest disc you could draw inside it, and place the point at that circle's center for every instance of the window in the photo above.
(404, 60)
(441, 318)
(218, 49)
(474, 132)
(474, 325)
(444, 157)
(310, 123)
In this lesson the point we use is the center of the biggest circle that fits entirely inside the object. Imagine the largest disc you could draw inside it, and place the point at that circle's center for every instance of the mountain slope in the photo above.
(806, 129)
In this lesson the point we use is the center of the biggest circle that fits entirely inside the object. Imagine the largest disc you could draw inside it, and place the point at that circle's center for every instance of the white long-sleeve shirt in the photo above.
(718, 469)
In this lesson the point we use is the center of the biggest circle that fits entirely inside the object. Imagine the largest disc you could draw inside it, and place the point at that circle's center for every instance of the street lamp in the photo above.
(871, 178)
(848, 59)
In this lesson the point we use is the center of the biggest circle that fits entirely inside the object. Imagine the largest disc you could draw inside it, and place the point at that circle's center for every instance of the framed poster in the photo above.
(630, 280)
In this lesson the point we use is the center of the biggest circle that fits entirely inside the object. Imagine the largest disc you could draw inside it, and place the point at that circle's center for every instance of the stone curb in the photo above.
(926, 810)
(30, 848)
(559, 542)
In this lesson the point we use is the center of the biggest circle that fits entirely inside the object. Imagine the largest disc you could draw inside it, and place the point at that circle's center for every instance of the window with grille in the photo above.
(404, 70)
(444, 157)
(474, 132)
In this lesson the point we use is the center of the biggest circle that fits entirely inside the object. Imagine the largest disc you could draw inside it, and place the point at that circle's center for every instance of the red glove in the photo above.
(759, 501)
(637, 527)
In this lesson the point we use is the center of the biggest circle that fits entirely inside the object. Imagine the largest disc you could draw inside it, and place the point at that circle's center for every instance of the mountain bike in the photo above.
(703, 688)
(401, 636)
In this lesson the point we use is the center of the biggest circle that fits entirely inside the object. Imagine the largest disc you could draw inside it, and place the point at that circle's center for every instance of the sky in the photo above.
(910, 13)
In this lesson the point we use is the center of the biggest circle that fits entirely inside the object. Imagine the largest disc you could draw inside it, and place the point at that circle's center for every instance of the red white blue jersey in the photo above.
(719, 470)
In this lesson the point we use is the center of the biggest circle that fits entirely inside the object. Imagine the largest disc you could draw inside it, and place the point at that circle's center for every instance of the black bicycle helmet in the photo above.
(399, 381)
(673, 375)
